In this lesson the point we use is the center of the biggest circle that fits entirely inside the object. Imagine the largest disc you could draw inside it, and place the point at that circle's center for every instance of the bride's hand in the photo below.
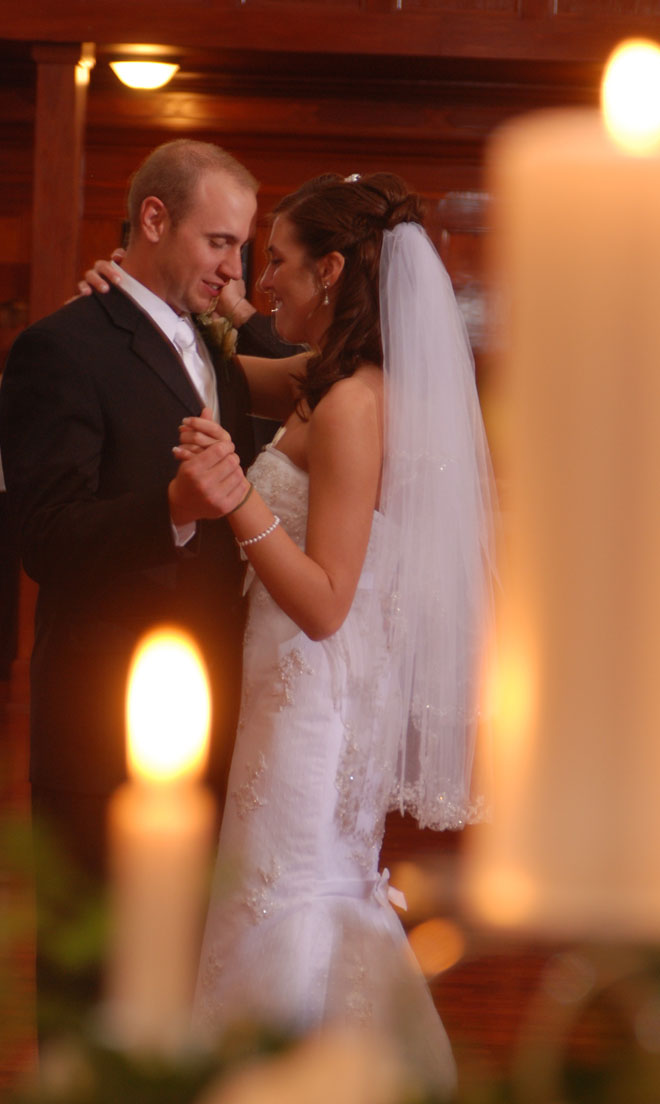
(196, 434)
(102, 275)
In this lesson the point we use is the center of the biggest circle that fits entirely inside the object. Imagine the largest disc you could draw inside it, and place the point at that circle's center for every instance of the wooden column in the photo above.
(62, 78)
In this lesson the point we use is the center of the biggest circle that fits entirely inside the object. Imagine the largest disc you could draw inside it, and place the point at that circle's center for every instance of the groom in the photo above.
(91, 401)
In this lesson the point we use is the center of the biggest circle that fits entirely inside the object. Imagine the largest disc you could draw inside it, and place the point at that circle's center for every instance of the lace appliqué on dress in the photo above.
(279, 482)
(349, 777)
(359, 1009)
(289, 669)
(247, 796)
(212, 970)
(210, 974)
(449, 812)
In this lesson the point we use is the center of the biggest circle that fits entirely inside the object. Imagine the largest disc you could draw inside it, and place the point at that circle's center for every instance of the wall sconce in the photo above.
(144, 74)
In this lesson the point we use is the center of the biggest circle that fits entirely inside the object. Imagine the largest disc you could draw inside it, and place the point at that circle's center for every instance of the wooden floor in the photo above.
(497, 993)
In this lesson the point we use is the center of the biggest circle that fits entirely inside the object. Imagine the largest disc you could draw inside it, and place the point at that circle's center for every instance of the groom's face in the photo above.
(202, 252)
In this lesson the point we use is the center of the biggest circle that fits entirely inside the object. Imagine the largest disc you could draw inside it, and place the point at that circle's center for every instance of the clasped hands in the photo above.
(210, 481)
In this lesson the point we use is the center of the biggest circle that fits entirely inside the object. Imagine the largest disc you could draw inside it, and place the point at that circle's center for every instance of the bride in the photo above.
(366, 524)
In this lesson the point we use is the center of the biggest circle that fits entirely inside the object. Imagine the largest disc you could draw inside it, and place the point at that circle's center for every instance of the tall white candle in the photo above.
(160, 829)
(575, 840)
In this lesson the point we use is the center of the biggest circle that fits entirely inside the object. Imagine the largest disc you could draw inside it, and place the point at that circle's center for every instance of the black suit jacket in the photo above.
(90, 405)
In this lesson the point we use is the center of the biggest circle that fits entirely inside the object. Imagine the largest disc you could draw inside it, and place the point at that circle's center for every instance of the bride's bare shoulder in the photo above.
(371, 376)
(354, 395)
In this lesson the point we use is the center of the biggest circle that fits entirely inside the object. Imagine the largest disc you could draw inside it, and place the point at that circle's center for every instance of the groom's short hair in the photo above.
(171, 173)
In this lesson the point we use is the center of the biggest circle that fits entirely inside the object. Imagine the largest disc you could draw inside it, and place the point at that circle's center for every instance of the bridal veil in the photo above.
(413, 713)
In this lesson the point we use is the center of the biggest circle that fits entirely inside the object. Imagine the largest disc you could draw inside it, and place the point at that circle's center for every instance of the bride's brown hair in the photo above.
(348, 216)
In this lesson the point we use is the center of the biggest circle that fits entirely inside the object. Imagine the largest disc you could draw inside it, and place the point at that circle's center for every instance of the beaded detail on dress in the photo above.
(261, 901)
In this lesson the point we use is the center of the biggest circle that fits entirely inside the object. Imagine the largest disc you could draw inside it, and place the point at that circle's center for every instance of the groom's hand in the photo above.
(209, 482)
(208, 485)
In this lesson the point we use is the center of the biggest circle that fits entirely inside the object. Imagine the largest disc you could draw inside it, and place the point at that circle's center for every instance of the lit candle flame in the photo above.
(168, 708)
(630, 96)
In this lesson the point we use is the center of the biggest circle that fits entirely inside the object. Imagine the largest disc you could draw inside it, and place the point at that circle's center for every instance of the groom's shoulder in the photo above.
(80, 331)
(87, 318)
(93, 309)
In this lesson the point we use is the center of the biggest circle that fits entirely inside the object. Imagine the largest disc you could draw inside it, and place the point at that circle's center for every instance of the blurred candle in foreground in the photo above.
(631, 96)
(160, 828)
(573, 849)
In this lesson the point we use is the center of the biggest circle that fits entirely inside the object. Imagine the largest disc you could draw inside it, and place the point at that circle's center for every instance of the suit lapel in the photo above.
(151, 346)
(155, 350)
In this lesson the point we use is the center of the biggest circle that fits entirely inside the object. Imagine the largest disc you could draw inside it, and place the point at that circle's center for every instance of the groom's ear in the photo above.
(331, 267)
(153, 218)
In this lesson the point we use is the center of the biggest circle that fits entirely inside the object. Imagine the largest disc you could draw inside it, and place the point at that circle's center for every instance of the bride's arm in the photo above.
(316, 587)
(274, 390)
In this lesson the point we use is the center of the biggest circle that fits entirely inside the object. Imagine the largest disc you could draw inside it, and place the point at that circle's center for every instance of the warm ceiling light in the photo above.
(144, 74)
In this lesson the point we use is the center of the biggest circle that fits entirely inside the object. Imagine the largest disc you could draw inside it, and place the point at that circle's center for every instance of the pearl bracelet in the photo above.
(260, 536)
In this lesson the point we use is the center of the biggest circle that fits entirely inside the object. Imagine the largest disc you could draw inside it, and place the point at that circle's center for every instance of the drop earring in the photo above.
(326, 298)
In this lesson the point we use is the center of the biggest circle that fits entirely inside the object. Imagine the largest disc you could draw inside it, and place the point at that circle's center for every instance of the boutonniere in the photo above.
(218, 333)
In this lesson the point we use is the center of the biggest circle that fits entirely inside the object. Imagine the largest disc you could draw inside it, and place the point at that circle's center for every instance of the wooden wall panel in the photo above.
(508, 6)
(325, 6)
(600, 8)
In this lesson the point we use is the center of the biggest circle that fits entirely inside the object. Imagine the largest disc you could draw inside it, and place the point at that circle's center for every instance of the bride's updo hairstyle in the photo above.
(331, 214)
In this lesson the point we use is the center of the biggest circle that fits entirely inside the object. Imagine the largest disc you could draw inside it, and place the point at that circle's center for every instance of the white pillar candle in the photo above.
(574, 848)
(160, 829)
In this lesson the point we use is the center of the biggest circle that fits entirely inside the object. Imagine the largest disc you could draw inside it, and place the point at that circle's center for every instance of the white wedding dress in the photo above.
(301, 931)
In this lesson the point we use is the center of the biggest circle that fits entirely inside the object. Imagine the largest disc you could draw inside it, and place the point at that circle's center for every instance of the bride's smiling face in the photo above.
(293, 281)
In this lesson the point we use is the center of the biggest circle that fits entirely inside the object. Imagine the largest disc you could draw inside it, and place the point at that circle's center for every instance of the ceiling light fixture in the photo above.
(144, 74)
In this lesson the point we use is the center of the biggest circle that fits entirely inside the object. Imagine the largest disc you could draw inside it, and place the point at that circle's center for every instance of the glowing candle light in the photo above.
(576, 262)
(160, 829)
(631, 96)
(437, 944)
(168, 709)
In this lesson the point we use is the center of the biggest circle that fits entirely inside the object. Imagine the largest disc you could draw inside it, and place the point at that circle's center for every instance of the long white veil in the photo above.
(412, 714)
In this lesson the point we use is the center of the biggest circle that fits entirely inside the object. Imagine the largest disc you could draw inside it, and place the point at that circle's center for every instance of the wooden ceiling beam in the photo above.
(513, 29)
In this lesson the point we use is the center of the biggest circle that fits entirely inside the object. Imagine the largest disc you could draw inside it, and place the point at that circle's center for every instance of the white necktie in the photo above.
(200, 372)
